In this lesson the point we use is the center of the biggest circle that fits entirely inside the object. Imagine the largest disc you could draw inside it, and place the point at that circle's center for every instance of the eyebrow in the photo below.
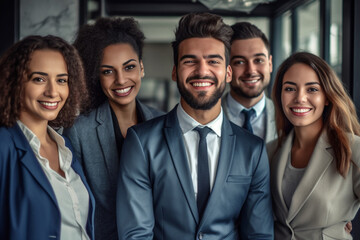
(109, 66)
(46, 75)
(206, 57)
(306, 84)
(255, 55)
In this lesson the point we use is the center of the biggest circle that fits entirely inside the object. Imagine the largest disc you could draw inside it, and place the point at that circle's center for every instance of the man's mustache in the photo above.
(202, 77)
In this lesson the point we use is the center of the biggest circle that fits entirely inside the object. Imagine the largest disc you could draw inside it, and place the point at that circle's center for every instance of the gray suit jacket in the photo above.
(270, 126)
(156, 199)
(323, 202)
(93, 139)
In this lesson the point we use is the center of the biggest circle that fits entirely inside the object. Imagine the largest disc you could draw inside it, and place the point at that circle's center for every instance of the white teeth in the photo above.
(252, 81)
(201, 84)
(300, 110)
(49, 104)
(124, 90)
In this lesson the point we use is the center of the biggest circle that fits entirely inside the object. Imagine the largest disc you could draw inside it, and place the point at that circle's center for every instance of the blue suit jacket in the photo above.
(93, 139)
(28, 206)
(156, 200)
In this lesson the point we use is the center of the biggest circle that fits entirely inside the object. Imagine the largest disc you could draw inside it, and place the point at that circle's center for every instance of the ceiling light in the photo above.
(233, 5)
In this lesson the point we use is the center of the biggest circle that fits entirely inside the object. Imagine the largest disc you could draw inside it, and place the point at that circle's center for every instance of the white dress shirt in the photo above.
(191, 140)
(70, 192)
(258, 121)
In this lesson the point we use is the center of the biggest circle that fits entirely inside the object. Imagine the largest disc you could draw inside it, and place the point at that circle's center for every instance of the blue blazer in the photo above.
(28, 206)
(156, 200)
(93, 139)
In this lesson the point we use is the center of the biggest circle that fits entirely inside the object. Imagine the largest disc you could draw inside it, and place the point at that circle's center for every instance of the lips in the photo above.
(300, 111)
(201, 84)
(123, 91)
(49, 105)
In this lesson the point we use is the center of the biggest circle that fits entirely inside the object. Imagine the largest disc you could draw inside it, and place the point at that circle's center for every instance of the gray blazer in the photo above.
(323, 202)
(270, 127)
(93, 139)
(156, 198)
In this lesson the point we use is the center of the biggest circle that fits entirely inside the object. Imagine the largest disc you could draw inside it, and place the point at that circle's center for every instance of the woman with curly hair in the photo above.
(43, 191)
(111, 51)
(315, 175)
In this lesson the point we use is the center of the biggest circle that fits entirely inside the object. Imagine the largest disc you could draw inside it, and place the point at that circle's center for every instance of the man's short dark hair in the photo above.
(246, 30)
(202, 25)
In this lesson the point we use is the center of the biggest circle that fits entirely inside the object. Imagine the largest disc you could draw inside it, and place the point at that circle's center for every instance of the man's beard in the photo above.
(244, 94)
(199, 102)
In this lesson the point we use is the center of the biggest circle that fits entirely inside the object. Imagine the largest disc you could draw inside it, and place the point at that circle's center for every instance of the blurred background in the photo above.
(327, 28)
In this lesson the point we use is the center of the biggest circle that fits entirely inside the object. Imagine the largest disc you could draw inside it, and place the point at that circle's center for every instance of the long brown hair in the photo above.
(339, 116)
(14, 66)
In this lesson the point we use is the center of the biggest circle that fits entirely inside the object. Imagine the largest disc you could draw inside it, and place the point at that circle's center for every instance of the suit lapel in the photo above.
(173, 136)
(106, 136)
(30, 162)
(270, 121)
(278, 165)
(320, 160)
(224, 163)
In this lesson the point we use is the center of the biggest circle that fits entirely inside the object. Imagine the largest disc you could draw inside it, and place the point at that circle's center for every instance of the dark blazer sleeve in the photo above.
(256, 218)
(134, 209)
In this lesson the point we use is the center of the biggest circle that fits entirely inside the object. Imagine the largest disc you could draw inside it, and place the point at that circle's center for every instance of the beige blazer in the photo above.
(323, 201)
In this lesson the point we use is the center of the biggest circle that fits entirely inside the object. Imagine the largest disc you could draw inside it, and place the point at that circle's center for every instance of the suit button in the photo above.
(201, 235)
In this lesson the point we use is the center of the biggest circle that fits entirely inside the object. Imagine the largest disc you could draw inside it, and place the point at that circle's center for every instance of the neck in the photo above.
(307, 136)
(39, 128)
(125, 113)
(246, 102)
(202, 116)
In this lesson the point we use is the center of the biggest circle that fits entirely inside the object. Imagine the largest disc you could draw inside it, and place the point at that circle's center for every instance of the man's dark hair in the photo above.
(202, 25)
(246, 30)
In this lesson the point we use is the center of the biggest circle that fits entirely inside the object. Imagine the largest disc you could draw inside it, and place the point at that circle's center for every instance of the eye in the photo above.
(62, 80)
(259, 60)
(38, 79)
(107, 72)
(212, 62)
(313, 89)
(239, 62)
(190, 61)
(289, 89)
(129, 67)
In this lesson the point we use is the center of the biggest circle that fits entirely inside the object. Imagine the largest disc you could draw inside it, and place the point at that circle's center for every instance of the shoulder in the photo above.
(6, 139)
(244, 137)
(355, 143)
(148, 111)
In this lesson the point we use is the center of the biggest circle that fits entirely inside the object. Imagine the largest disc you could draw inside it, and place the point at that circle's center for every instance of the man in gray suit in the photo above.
(192, 174)
(251, 63)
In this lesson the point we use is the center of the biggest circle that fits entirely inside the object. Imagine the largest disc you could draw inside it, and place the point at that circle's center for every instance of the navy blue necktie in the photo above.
(248, 114)
(203, 171)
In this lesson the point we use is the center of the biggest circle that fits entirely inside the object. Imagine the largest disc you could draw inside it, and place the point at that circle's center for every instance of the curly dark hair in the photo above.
(91, 41)
(14, 65)
(202, 25)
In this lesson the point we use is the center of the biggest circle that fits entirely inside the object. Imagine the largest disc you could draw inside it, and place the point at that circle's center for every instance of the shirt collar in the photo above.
(64, 152)
(236, 107)
(187, 123)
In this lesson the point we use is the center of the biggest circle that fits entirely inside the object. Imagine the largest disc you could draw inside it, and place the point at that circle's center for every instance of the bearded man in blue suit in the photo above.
(163, 190)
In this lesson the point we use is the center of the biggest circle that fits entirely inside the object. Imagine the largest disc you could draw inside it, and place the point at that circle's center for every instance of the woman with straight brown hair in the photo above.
(315, 176)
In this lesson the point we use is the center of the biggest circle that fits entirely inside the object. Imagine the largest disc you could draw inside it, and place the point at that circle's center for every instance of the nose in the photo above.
(120, 77)
(300, 96)
(202, 68)
(250, 68)
(51, 89)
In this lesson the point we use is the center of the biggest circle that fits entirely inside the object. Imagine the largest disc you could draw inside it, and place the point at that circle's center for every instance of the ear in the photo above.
(270, 64)
(142, 71)
(228, 73)
(173, 74)
(327, 102)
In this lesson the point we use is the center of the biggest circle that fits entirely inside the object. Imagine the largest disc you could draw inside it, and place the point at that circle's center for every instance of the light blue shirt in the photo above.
(191, 141)
(258, 121)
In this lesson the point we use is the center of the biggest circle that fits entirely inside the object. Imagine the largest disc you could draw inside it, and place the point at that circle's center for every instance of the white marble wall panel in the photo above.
(55, 17)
